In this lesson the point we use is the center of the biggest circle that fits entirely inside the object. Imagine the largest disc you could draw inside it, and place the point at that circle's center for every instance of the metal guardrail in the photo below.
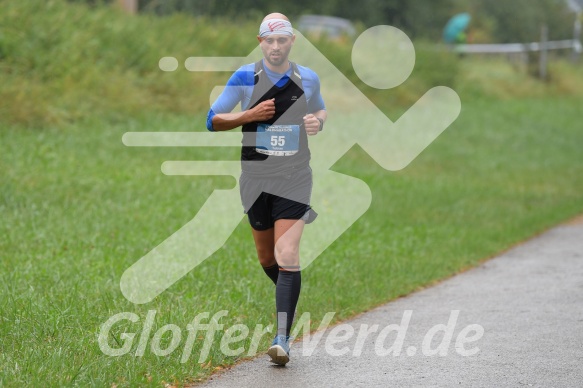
(503, 48)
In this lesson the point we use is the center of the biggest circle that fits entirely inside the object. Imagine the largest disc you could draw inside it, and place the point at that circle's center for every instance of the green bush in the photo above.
(61, 62)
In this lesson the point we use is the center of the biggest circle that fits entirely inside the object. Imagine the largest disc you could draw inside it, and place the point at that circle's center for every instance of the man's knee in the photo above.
(287, 254)
(266, 257)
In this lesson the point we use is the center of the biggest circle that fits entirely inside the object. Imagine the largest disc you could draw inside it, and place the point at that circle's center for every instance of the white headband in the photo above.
(275, 26)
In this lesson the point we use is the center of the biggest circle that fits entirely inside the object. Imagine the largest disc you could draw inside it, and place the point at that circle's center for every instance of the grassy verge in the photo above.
(64, 62)
(78, 208)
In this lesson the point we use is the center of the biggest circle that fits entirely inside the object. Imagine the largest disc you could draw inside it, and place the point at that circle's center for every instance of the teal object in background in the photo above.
(456, 26)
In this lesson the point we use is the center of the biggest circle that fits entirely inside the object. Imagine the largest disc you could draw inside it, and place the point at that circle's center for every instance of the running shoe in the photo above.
(279, 350)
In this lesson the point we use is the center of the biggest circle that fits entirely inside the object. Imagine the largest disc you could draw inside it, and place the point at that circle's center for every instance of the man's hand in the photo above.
(263, 111)
(312, 124)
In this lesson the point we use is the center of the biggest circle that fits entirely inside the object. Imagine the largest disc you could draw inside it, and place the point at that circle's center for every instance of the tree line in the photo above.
(499, 21)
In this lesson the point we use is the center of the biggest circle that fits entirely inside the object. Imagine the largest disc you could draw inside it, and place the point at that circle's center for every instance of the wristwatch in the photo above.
(321, 124)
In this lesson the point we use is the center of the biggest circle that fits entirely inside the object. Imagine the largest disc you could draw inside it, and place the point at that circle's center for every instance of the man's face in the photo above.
(276, 48)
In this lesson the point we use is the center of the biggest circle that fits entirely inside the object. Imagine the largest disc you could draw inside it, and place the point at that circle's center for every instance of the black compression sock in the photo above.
(272, 272)
(287, 293)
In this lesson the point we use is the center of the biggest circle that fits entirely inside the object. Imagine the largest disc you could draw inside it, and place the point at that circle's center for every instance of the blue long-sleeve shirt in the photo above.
(240, 88)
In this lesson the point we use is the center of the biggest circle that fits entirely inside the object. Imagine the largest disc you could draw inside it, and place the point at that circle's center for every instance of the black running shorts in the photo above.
(283, 196)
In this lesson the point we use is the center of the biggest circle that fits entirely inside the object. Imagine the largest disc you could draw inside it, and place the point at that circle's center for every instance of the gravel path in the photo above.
(520, 314)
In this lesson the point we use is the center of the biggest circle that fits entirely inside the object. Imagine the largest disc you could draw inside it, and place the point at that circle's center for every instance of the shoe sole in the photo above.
(278, 355)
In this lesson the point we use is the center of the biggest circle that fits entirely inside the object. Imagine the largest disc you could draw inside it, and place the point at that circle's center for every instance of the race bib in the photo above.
(280, 140)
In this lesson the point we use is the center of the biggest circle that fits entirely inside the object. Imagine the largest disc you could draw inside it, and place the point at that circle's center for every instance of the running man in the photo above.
(280, 106)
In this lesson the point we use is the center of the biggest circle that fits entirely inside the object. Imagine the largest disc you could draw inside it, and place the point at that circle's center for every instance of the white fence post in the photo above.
(577, 36)
(544, 50)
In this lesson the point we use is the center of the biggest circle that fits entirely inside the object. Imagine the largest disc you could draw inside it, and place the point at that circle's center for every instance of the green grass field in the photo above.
(77, 207)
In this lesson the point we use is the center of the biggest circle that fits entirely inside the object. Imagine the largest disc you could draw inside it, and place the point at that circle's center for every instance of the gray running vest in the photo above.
(264, 143)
